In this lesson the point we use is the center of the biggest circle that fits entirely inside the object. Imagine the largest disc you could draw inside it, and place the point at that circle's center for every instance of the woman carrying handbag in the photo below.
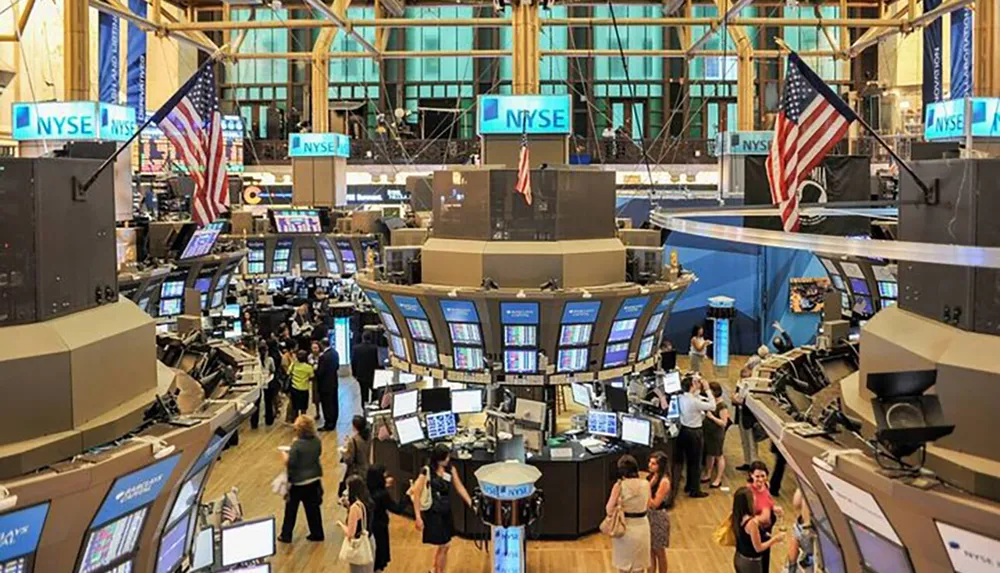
(357, 549)
(630, 551)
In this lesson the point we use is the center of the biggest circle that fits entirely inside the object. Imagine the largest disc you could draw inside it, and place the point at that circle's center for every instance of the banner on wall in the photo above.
(108, 48)
(135, 94)
(961, 53)
(838, 179)
(933, 89)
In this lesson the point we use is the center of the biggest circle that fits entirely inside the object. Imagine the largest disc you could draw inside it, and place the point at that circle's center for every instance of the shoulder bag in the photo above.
(614, 523)
(426, 498)
(358, 550)
(724, 535)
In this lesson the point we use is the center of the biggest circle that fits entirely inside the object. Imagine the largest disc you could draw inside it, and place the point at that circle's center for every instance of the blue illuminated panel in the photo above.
(135, 490)
(531, 114)
(581, 312)
(73, 121)
(409, 306)
(319, 145)
(721, 342)
(632, 308)
(377, 301)
(20, 531)
(519, 312)
(459, 311)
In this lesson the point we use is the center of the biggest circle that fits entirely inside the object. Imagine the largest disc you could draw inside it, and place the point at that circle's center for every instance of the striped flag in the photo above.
(811, 122)
(192, 122)
(523, 185)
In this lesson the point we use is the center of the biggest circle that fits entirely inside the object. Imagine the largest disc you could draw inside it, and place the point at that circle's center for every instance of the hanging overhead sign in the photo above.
(531, 114)
(946, 120)
(742, 143)
(319, 145)
(72, 121)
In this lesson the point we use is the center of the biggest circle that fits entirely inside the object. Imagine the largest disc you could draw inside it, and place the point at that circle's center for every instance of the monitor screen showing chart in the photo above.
(420, 329)
(572, 359)
(398, 346)
(112, 541)
(441, 425)
(468, 358)
(575, 334)
(602, 423)
(519, 335)
(654, 323)
(390, 322)
(425, 353)
(622, 330)
(521, 361)
(297, 221)
(464, 333)
(616, 354)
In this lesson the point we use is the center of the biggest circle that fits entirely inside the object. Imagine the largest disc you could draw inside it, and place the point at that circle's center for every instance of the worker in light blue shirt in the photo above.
(693, 404)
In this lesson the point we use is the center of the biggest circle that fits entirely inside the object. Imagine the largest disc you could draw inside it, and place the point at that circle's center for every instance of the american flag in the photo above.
(523, 185)
(192, 122)
(811, 122)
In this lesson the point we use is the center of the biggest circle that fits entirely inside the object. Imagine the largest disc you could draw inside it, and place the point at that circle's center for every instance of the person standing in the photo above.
(364, 362)
(631, 551)
(693, 405)
(745, 419)
(659, 520)
(302, 375)
(750, 546)
(355, 453)
(436, 522)
(359, 511)
(764, 508)
(379, 484)
(699, 348)
(715, 437)
(328, 385)
(305, 476)
(269, 394)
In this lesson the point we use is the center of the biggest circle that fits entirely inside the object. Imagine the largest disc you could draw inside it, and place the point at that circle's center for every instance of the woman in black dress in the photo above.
(378, 486)
(436, 522)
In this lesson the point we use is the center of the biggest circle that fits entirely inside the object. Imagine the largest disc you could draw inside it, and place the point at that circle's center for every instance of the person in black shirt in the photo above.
(328, 385)
(364, 362)
(746, 528)
(378, 486)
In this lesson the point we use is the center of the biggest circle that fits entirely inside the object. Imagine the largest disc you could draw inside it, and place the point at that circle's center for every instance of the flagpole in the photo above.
(80, 191)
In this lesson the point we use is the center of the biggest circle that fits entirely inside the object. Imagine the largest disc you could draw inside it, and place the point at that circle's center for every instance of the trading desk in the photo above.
(576, 490)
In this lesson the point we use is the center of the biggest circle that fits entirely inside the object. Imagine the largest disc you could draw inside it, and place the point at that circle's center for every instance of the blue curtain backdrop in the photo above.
(108, 45)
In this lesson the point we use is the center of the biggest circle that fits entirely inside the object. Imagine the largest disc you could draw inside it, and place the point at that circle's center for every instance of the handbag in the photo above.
(279, 484)
(724, 535)
(613, 524)
(358, 550)
(426, 499)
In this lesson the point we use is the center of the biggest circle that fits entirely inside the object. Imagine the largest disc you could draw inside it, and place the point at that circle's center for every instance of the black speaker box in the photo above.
(966, 214)
(57, 254)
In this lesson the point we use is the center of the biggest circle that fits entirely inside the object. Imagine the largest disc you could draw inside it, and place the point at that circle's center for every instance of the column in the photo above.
(986, 40)
(319, 100)
(76, 45)
(525, 53)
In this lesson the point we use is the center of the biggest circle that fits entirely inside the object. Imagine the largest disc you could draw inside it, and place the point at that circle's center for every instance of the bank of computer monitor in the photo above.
(654, 323)
(203, 550)
(404, 403)
(838, 281)
(888, 289)
(425, 353)
(25, 526)
(572, 359)
(622, 330)
(575, 334)
(171, 289)
(878, 554)
(581, 395)
(390, 322)
(464, 333)
(602, 423)
(859, 286)
(845, 302)
(468, 401)
(616, 354)
(520, 361)
(201, 242)
(172, 546)
(112, 541)
(672, 382)
(307, 255)
(829, 550)
(468, 358)
(420, 329)
(520, 335)
(637, 431)
(170, 307)
(646, 347)
(435, 400)
(441, 425)
(617, 398)
(398, 346)
(382, 379)
(408, 430)
(246, 541)
(531, 411)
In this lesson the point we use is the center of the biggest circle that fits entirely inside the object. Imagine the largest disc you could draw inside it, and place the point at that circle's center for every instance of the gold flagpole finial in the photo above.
(781, 44)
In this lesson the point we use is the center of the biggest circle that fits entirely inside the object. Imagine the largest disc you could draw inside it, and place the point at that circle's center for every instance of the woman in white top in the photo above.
(699, 348)
(631, 552)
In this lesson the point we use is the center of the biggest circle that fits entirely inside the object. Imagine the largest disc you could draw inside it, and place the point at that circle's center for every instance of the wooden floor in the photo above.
(255, 462)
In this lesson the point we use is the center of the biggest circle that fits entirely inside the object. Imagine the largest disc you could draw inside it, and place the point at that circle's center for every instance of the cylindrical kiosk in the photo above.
(508, 502)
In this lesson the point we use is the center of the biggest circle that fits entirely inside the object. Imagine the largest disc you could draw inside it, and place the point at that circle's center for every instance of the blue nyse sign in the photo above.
(533, 114)
(73, 120)
(946, 120)
(319, 145)
(743, 143)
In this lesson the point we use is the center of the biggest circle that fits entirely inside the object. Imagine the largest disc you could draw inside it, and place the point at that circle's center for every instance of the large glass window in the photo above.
(609, 72)
(806, 39)
(354, 78)
(261, 40)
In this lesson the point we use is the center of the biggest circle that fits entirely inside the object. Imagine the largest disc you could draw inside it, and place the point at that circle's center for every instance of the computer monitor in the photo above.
(616, 354)
(654, 323)
(231, 311)
(22, 531)
(674, 409)
(512, 449)
(878, 553)
(408, 430)
(581, 395)
(459, 311)
(170, 307)
(404, 403)
(172, 546)
(617, 398)
(187, 496)
(420, 329)
(383, 379)
(464, 333)
(672, 382)
(297, 221)
(888, 289)
(863, 305)
(468, 401)
(435, 400)
(622, 330)
(520, 361)
(172, 289)
(602, 423)
(838, 281)
(520, 335)
(112, 541)
(468, 358)
(441, 425)
(572, 359)
(575, 334)
(201, 242)
(390, 322)
(646, 347)
(530, 411)
(203, 551)
(203, 284)
(425, 353)
(398, 346)
(247, 540)
(829, 550)
(307, 256)
(859, 286)
(637, 431)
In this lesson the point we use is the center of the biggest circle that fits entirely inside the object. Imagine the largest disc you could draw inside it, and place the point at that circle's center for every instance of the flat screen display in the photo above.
(572, 359)
(187, 496)
(136, 489)
(654, 323)
(203, 284)
(171, 289)
(519, 335)
(674, 409)
(297, 221)
(408, 430)
(441, 425)
(256, 251)
(622, 330)
(464, 333)
(888, 302)
(307, 255)
(878, 553)
(845, 302)
(646, 347)
(435, 400)
(398, 346)
(420, 329)
(863, 305)
(575, 334)
(519, 313)
(520, 361)
(112, 541)
(459, 311)
(581, 312)
(231, 311)
(637, 431)
(20, 531)
(203, 550)
(383, 379)
(247, 540)
(409, 306)
(404, 403)
(331, 259)
(201, 242)
(852, 270)
(425, 353)
(469, 401)
(581, 395)
(616, 354)
(672, 382)
(469, 358)
(390, 322)
(377, 301)
(347, 254)
(632, 307)
(859, 286)
(172, 546)
(282, 256)
(616, 398)
(602, 423)
(255, 268)
(833, 559)
(888, 290)
(838, 282)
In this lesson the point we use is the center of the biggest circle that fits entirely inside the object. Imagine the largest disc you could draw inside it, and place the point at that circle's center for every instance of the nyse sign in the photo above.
(533, 114)
(947, 120)
(73, 121)
(319, 145)
(743, 143)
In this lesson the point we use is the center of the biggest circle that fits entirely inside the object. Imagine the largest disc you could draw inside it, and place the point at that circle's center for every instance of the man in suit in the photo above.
(364, 362)
(328, 384)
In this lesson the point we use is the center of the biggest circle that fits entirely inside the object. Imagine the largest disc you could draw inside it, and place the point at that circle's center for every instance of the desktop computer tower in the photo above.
(57, 251)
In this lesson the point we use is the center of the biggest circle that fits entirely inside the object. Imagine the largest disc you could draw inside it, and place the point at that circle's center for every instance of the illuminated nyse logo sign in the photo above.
(970, 552)
(535, 114)
(743, 143)
(73, 121)
(946, 120)
(21, 530)
(319, 145)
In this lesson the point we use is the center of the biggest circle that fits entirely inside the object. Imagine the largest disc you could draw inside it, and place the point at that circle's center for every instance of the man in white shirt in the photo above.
(693, 404)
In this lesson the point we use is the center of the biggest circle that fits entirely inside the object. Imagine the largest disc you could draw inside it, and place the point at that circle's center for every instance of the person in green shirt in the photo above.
(302, 374)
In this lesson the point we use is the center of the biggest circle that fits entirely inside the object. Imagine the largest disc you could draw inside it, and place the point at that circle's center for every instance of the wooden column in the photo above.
(319, 99)
(76, 49)
(986, 40)
(526, 55)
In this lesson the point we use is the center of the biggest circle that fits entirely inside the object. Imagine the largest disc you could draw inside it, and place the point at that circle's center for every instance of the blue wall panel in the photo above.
(780, 265)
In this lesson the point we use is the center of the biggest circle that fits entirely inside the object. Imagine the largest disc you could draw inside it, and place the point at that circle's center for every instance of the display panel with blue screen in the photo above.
(674, 409)
(859, 286)
(203, 284)
(878, 553)
(572, 359)
(622, 330)
(575, 334)
(172, 289)
(20, 532)
(256, 251)
(441, 425)
(203, 552)
(425, 353)
(172, 546)
(581, 394)
(397, 346)
(464, 333)
(307, 255)
(376, 300)
(347, 254)
(888, 289)
(331, 259)
(420, 329)
(519, 313)
(187, 496)
(390, 322)
(581, 312)
(170, 307)
(838, 282)
(520, 361)
(602, 423)
(646, 347)
(409, 306)
(666, 301)
(632, 307)
(519, 336)
(136, 489)
(112, 541)
(863, 305)
(255, 268)
(829, 550)
(654, 323)
(201, 242)
(616, 354)
(297, 221)
(282, 256)
(469, 358)
(275, 284)
(211, 453)
(459, 311)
